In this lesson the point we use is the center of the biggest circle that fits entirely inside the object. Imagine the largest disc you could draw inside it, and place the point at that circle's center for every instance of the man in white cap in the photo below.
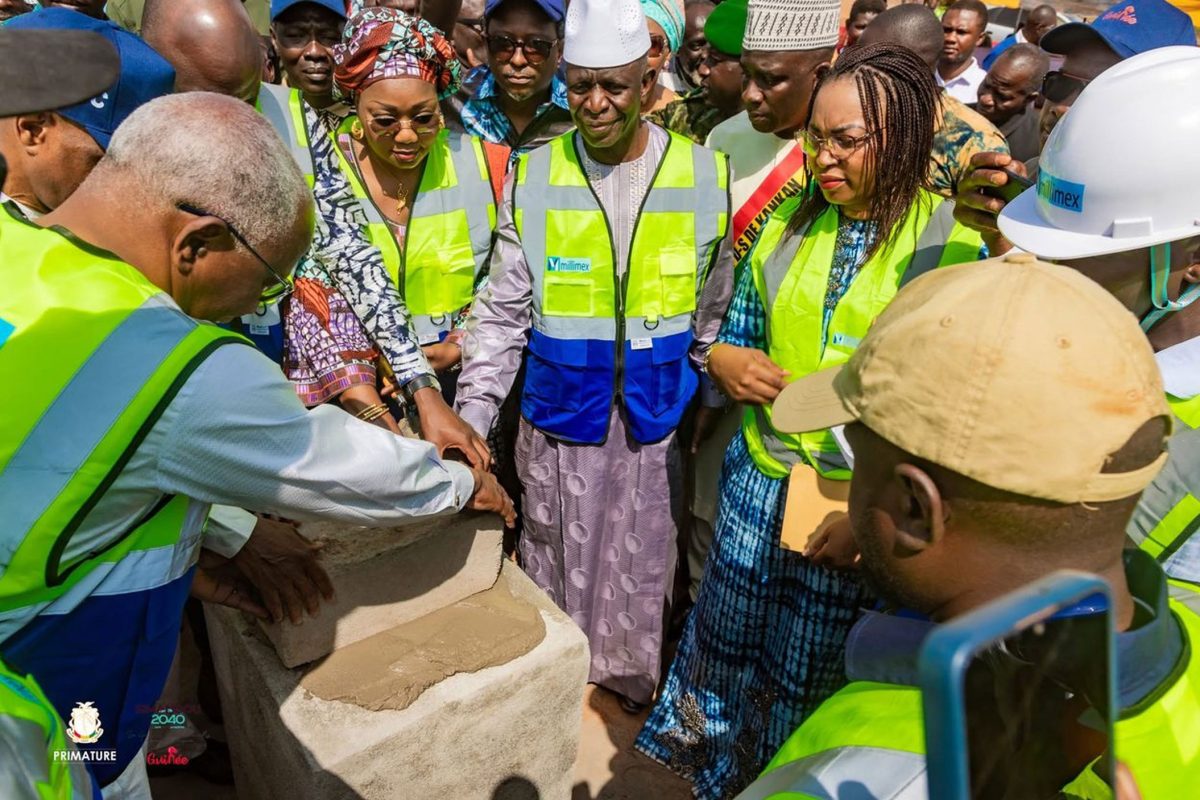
(994, 444)
(1134, 226)
(613, 266)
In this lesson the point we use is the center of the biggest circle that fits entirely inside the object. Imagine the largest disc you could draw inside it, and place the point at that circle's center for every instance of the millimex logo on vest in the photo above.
(85, 727)
(562, 264)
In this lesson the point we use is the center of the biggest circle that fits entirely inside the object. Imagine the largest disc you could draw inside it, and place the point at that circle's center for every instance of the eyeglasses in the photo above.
(1059, 87)
(273, 293)
(424, 124)
(536, 50)
(658, 45)
(839, 145)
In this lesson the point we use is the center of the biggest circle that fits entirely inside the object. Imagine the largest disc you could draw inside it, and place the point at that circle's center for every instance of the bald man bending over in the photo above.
(211, 43)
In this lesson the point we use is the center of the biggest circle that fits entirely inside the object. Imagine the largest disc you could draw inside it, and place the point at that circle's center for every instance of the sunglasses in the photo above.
(658, 45)
(427, 123)
(1059, 87)
(536, 50)
(273, 293)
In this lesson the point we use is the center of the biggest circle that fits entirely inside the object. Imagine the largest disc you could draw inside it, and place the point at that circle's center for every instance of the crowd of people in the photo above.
(650, 280)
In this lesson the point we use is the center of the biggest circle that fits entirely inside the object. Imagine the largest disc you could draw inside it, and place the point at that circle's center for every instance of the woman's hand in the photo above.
(356, 398)
(443, 355)
(745, 374)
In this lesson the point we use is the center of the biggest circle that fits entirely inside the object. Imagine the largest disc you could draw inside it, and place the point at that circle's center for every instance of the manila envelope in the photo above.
(813, 503)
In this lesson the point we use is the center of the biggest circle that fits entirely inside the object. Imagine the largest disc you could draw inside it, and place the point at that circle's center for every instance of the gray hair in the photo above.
(218, 154)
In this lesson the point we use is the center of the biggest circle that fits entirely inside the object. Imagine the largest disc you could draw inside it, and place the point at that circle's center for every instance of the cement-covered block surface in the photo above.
(384, 577)
(506, 732)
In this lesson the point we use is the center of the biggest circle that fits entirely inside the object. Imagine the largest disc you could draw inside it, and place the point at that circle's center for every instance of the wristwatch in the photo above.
(417, 384)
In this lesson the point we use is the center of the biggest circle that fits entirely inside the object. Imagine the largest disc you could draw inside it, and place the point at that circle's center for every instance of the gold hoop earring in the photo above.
(356, 130)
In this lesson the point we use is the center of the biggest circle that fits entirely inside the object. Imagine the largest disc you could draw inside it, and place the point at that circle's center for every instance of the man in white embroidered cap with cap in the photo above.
(995, 443)
(613, 267)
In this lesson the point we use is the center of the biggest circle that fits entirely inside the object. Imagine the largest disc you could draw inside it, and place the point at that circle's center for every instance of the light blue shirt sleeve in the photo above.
(237, 435)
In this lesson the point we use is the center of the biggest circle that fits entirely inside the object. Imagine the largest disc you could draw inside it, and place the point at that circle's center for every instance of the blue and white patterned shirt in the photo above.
(483, 117)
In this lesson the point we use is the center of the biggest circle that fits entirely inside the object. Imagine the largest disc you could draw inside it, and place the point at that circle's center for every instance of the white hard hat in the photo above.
(1121, 171)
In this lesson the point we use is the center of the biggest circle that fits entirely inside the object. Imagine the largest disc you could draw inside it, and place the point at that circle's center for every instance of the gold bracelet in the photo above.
(371, 412)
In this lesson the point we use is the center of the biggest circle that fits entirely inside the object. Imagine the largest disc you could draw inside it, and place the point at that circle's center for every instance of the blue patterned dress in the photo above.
(763, 646)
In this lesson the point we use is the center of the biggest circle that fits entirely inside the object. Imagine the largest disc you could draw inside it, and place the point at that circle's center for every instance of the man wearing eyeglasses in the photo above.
(135, 415)
(520, 102)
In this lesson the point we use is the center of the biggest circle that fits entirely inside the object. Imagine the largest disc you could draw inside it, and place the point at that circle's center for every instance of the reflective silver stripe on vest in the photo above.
(274, 102)
(84, 411)
(930, 245)
(1189, 597)
(1179, 478)
(24, 758)
(926, 257)
(863, 773)
(536, 196)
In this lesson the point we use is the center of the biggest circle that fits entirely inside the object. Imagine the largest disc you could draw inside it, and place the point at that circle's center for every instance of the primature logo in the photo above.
(84, 726)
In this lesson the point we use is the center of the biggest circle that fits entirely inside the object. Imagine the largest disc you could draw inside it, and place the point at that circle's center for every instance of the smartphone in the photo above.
(1009, 191)
(1020, 695)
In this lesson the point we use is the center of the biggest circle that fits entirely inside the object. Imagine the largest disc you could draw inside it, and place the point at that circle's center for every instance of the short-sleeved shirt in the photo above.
(961, 134)
(689, 115)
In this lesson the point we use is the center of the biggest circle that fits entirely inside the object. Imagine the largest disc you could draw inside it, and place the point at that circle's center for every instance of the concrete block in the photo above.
(384, 577)
(508, 732)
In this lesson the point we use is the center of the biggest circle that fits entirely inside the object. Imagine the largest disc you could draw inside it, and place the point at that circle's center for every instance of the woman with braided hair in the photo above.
(763, 646)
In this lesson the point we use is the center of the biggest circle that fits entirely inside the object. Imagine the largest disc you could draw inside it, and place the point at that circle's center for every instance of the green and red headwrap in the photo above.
(381, 43)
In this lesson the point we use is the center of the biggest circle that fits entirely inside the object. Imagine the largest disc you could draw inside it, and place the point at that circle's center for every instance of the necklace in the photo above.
(401, 196)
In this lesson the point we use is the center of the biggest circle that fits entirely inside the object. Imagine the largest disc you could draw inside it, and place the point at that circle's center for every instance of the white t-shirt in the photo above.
(964, 87)
(766, 170)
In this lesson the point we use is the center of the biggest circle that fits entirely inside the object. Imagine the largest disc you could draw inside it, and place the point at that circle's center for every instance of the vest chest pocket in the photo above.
(677, 279)
(439, 281)
(568, 294)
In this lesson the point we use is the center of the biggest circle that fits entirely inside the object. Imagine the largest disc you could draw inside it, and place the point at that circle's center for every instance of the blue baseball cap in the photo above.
(554, 9)
(336, 6)
(1128, 28)
(144, 74)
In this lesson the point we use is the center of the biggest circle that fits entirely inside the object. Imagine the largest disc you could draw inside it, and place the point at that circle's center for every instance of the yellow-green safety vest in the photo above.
(598, 337)
(34, 751)
(100, 351)
(874, 734)
(1168, 512)
(449, 234)
(284, 109)
(792, 276)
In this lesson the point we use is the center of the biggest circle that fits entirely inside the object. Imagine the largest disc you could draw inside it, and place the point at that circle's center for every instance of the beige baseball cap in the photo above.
(1022, 375)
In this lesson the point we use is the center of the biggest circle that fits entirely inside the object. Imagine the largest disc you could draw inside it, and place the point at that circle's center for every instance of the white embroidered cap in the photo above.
(605, 33)
(773, 25)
